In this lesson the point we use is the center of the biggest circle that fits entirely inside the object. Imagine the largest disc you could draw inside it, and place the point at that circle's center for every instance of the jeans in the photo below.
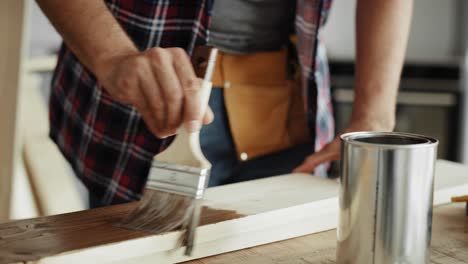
(218, 147)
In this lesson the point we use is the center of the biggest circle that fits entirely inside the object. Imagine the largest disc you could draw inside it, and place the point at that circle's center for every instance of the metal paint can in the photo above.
(385, 198)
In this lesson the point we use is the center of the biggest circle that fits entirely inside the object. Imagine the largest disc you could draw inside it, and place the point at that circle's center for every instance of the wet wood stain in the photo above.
(32, 239)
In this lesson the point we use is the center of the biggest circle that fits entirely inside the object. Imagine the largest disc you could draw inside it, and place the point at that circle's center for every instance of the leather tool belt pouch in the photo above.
(265, 109)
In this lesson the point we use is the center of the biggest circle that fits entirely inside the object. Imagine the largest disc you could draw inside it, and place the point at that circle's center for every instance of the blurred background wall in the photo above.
(431, 99)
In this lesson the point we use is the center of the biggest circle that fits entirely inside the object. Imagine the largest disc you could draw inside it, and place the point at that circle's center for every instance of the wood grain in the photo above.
(32, 239)
(449, 245)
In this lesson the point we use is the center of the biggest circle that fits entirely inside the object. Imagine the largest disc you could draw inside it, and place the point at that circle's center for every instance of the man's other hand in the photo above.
(332, 151)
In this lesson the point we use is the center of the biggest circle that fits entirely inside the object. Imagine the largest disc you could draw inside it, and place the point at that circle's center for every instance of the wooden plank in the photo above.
(41, 64)
(51, 177)
(237, 211)
(239, 216)
(23, 202)
(50, 174)
(12, 23)
(449, 245)
(463, 198)
(449, 181)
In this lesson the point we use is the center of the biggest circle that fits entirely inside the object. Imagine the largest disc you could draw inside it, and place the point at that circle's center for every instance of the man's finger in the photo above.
(208, 117)
(162, 64)
(191, 86)
(151, 99)
(192, 107)
(150, 121)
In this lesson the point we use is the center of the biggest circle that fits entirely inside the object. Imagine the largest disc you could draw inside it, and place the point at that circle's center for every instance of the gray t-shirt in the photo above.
(245, 26)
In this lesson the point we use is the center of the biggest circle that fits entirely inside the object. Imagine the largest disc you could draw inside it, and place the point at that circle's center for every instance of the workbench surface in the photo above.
(229, 223)
(449, 244)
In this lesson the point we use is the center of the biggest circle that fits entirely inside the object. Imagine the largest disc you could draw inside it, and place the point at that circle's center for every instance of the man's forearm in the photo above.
(382, 29)
(159, 82)
(89, 30)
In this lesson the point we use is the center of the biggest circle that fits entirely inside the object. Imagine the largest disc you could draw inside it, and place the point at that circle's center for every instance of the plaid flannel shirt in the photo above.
(107, 143)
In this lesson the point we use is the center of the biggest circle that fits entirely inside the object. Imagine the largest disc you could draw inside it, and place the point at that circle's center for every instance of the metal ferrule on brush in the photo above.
(178, 179)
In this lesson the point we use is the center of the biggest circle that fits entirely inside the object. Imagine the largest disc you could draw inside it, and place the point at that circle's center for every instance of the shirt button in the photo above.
(227, 84)
(244, 156)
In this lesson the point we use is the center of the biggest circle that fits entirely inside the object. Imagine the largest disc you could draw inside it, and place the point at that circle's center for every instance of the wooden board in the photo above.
(12, 22)
(463, 198)
(238, 216)
(41, 64)
(449, 245)
(50, 174)
(251, 207)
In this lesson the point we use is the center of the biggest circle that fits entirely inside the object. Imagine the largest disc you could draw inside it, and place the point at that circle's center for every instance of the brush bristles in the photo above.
(161, 212)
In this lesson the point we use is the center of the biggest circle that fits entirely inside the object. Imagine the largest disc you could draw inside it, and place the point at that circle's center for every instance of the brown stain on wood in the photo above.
(32, 239)
(463, 198)
(212, 215)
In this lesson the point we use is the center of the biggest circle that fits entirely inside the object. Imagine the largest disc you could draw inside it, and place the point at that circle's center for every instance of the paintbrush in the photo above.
(178, 176)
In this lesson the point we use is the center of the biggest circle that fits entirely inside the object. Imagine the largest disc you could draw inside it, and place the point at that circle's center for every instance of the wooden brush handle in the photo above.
(185, 149)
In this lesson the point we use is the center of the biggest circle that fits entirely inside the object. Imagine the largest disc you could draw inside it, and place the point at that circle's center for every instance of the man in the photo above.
(123, 84)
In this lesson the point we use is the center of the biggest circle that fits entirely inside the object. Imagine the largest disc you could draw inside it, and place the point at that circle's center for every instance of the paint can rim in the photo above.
(390, 140)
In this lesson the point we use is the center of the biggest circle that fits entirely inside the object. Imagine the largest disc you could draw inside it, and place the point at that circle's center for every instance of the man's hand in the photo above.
(331, 151)
(382, 29)
(161, 84)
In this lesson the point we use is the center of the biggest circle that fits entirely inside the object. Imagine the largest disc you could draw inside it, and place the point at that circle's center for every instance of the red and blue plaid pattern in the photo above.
(311, 15)
(107, 143)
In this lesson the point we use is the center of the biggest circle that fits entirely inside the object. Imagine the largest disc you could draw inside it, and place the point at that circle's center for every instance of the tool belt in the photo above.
(264, 104)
